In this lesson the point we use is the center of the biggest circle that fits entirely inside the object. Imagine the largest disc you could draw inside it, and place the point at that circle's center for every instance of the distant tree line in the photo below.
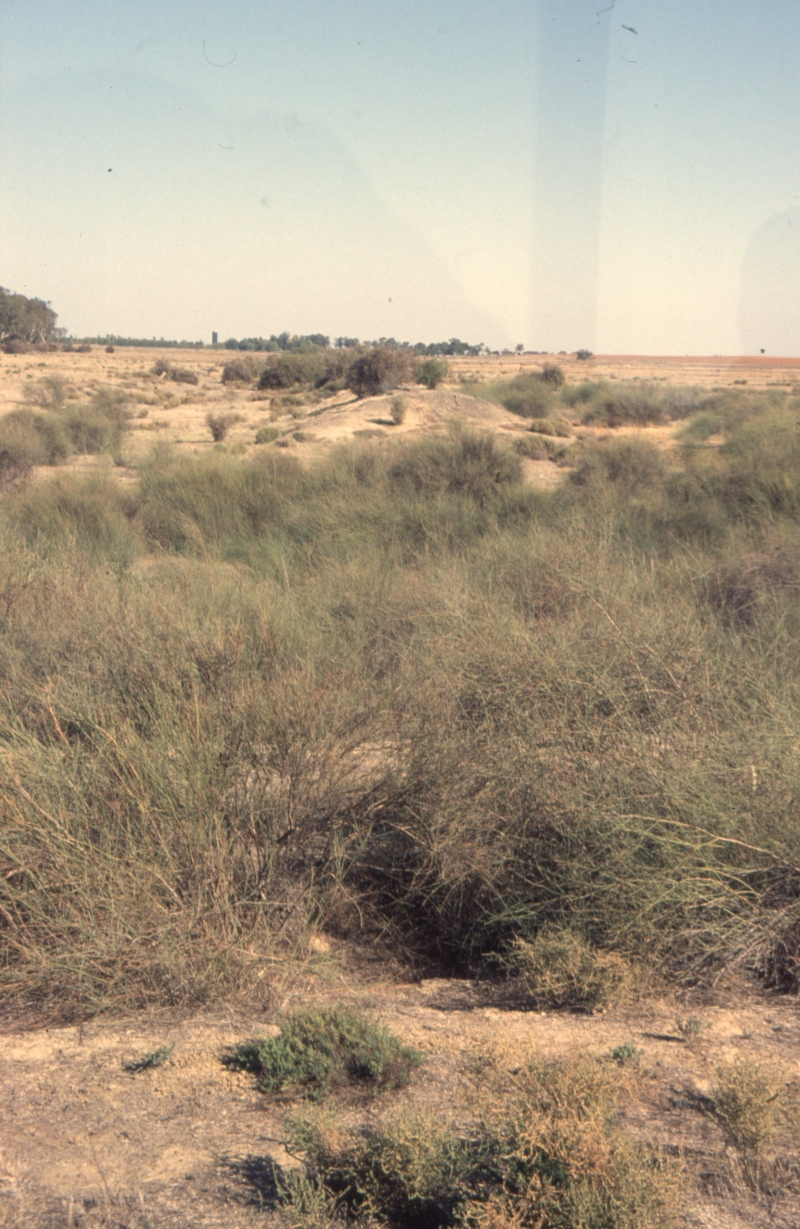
(156, 343)
(309, 341)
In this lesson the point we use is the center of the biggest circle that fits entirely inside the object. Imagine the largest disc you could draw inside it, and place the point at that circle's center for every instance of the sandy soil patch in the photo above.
(192, 1142)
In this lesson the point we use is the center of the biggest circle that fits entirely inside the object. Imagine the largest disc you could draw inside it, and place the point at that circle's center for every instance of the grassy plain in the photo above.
(508, 694)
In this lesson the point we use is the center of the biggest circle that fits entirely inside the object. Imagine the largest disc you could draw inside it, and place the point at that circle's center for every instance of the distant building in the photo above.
(214, 339)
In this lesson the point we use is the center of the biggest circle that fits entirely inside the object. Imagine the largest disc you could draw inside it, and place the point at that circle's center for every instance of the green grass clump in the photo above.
(626, 1053)
(324, 1047)
(267, 435)
(558, 968)
(465, 463)
(701, 427)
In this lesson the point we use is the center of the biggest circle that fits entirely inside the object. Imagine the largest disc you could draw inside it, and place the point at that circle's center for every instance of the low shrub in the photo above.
(642, 404)
(93, 430)
(91, 514)
(465, 462)
(243, 369)
(320, 1048)
(28, 438)
(583, 394)
(398, 410)
(558, 968)
(378, 370)
(184, 375)
(266, 435)
(538, 447)
(181, 375)
(549, 426)
(431, 372)
(286, 369)
(628, 464)
(219, 424)
(553, 374)
(529, 396)
(19, 452)
(51, 393)
(747, 1104)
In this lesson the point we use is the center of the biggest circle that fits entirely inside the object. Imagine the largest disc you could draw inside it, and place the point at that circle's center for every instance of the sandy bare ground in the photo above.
(192, 1143)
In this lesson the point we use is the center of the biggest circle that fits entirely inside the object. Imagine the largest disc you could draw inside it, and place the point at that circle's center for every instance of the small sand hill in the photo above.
(424, 411)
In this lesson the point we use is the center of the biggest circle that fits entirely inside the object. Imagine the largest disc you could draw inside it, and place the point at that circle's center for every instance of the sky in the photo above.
(620, 175)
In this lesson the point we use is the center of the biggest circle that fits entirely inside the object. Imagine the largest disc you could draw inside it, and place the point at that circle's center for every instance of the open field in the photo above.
(474, 707)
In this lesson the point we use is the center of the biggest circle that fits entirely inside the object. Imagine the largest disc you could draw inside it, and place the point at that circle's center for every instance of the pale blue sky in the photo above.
(504, 172)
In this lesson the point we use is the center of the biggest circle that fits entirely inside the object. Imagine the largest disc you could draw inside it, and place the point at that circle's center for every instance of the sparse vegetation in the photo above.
(156, 1058)
(543, 1150)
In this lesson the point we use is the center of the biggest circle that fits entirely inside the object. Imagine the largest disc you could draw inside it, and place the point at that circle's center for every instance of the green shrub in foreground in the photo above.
(322, 1047)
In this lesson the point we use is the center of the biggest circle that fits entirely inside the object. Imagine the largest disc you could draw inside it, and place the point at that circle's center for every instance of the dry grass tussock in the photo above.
(402, 696)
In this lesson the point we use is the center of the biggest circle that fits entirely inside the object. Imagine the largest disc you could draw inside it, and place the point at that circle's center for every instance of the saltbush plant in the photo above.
(321, 1048)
